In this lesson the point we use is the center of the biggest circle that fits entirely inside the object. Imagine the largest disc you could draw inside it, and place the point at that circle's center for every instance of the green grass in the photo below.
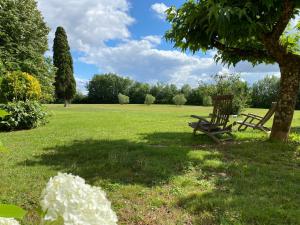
(152, 168)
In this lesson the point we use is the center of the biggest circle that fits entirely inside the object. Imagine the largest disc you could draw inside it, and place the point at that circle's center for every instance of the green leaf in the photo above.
(3, 113)
(11, 211)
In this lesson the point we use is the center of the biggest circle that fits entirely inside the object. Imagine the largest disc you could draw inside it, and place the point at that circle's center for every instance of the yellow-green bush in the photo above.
(20, 86)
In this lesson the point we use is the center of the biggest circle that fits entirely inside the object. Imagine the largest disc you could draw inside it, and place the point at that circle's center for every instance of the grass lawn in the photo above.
(152, 168)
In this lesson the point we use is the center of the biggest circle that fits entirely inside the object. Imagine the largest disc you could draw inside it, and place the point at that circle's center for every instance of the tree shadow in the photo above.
(176, 139)
(183, 139)
(257, 183)
(249, 182)
(118, 161)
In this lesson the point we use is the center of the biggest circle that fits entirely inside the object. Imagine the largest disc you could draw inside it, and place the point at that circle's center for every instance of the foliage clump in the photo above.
(20, 86)
(179, 99)
(79, 98)
(233, 85)
(149, 99)
(137, 92)
(123, 99)
(23, 115)
(164, 93)
(24, 41)
(3, 113)
(207, 100)
(265, 91)
(105, 88)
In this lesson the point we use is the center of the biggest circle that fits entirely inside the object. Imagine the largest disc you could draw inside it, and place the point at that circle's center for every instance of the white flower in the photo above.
(8, 221)
(78, 203)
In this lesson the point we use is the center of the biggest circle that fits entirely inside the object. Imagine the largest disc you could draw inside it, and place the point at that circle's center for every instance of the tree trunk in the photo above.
(289, 87)
(66, 103)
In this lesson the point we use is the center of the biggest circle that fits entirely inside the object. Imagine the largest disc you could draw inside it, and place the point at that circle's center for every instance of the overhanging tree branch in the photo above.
(284, 19)
(272, 39)
(242, 53)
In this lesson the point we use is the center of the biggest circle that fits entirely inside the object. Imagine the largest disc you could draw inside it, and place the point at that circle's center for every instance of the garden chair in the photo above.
(218, 119)
(255, 121)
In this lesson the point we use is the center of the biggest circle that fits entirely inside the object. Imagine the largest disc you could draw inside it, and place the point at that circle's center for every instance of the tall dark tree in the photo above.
(65, 85)
(250, 30)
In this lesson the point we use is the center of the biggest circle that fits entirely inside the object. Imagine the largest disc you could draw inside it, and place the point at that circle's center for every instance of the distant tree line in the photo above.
(105, 89)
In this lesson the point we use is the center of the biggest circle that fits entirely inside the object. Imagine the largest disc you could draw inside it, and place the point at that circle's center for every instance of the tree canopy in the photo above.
(24, 41)
(240, 30)
(106, 87)
(265, 91)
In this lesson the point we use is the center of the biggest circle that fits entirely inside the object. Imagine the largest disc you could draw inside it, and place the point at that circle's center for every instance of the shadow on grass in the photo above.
(152, 162)
(182, 139)
(118, 161)
(176, 139)
(250, 183)
(254, 184)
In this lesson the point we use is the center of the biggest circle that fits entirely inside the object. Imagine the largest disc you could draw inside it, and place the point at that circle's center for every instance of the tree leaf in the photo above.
(11, 211)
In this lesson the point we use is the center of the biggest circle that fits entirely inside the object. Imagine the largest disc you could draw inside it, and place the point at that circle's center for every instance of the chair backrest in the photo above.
(222, 110)
(268, 115)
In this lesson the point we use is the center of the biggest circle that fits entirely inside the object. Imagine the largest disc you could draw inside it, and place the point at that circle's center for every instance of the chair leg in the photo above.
(194, 132)
(215, 139)
(241, 128)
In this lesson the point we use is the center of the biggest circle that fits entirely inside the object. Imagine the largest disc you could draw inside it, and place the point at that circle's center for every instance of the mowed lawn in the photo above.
(153, 169)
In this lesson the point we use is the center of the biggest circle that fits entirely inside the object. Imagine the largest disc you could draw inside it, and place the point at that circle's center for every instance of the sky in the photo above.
(126, 37)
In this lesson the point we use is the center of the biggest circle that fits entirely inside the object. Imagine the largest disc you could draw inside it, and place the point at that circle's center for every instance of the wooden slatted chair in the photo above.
(219, 119)
(257, 122)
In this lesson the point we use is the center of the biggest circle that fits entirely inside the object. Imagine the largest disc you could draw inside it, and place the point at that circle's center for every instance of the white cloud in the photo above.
(160, 9)
(141, 60)
(88, 23)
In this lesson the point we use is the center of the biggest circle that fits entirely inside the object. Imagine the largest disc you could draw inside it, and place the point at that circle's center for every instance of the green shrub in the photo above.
(123, 99)
(149, 99)
(179, 99)
(207, 101)
(23, 115)
(20, 86)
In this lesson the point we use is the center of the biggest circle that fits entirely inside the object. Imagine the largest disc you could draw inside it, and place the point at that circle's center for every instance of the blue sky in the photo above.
(126, 37)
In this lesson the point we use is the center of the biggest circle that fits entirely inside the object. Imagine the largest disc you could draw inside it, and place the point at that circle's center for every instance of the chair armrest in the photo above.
(252, 116)
(256, 115)
(199, 118)
(243, 114)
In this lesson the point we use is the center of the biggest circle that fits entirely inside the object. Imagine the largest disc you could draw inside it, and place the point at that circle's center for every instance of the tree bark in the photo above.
(66, 103)
(289, 87)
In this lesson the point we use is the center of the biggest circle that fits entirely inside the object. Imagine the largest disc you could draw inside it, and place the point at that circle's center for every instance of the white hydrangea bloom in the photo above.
(8, 221)
(78, 203)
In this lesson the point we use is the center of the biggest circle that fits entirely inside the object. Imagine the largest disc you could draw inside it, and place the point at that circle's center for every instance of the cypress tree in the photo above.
(65, 85)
